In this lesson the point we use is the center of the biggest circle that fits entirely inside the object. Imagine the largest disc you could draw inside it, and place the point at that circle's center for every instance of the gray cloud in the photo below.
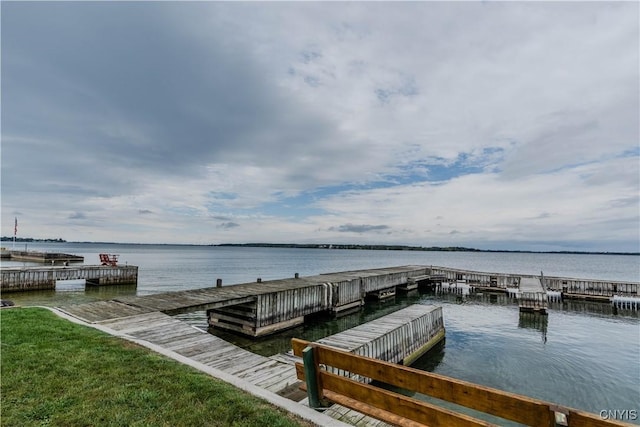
(77, 215)
(228, 225)
(359, 228)
(150, 96)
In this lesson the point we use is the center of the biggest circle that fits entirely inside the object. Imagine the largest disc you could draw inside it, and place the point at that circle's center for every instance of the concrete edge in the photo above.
(296, 408)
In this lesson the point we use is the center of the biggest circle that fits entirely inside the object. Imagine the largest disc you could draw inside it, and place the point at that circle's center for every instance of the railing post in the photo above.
(311, 377)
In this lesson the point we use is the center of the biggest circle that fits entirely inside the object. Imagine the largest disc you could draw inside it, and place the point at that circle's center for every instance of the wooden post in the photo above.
(218, 283)
(311, 377)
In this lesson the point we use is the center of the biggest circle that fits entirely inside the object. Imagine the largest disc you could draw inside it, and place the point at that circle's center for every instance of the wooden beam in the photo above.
(364, 408)
(298, 345)
(503, 404)
(403, 406)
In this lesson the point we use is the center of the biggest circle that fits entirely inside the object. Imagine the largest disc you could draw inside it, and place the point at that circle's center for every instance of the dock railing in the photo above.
(324, 387)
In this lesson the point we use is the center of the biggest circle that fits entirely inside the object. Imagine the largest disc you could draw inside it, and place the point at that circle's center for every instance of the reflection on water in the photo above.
(69, 292)
(594, 308)
(535, 321)
(434, 358)
(111, 291)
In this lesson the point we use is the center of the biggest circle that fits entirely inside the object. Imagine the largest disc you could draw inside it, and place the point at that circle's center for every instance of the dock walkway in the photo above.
(394, 337)
(532, 295)
(262, 307)
(177, 336)
(399, 337)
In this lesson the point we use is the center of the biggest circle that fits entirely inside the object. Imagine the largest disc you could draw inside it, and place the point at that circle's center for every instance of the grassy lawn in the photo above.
(55, 372)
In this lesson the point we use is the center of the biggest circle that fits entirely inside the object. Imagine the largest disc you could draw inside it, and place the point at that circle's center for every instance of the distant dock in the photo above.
(532, 295)
(43, 257)
(20, 279)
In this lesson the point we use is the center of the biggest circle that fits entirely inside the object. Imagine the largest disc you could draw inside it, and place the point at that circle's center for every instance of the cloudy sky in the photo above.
(492, 125)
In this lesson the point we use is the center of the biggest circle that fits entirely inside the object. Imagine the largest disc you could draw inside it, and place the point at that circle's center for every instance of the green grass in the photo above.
(54, 372)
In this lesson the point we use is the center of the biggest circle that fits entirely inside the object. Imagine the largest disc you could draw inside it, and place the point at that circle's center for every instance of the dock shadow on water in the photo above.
(536, 321)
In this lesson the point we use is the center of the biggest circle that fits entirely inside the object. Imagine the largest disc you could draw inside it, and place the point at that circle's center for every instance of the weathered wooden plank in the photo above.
(345, 403)
(278, 383)
(266, 372)
(192, 345)
(250, 364)
(211, 357)
(162, 336)
(485, 399)
(405, 407)
(259, 370)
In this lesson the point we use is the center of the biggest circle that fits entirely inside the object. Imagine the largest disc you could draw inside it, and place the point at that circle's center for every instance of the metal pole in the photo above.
(310, 375)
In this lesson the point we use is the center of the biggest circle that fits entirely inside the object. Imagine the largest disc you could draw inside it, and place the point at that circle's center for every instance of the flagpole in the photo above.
(15, 231)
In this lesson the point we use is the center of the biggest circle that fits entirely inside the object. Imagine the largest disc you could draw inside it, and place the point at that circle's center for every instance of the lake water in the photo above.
(582, 355)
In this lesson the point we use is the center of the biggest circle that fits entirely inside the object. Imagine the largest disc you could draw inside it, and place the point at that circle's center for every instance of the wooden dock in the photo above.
(532, 295)
(44, 257)
(264, 307)
(177, 336)
(399, 337)
(20, 279)
(560, 288)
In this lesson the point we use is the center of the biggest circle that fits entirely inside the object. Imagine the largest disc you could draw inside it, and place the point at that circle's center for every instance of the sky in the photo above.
(493, 125)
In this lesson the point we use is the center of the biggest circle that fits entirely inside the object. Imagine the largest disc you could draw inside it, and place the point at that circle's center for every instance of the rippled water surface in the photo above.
(583, 355)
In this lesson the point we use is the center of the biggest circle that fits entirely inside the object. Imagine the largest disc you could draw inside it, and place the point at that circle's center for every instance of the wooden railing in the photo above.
(349, 387)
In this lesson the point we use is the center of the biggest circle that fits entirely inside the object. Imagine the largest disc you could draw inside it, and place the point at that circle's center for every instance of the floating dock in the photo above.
(20, 279)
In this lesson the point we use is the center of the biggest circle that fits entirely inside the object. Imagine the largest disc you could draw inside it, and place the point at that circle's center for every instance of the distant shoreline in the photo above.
(332, 246)
(410, 248)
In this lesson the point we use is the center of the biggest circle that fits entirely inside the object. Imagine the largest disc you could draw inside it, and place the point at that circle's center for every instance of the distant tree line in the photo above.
(407, 248)
(31, 239)
(353, 246)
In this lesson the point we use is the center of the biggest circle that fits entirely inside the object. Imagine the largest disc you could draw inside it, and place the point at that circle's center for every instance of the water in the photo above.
(582, 355)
